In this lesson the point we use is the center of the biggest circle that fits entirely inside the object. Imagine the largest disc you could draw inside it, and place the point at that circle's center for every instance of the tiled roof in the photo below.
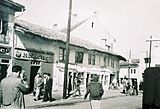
(12, 4)
(59, 36)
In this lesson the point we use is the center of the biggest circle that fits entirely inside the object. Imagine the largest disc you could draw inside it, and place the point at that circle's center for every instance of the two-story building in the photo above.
(7, 18)
(40, 49)
(131, 71)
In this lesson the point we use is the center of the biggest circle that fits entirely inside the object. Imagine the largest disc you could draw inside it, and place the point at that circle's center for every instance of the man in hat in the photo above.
(48, 81)
(38, 85)
(13, 89)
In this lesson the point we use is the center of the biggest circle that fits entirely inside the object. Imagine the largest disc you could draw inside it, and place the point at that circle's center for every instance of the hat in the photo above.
(16, 68)
(95, 78)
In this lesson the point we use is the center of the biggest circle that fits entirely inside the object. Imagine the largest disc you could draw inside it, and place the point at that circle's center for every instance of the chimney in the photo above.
(95, 14)
(55, 26)
(74, 19)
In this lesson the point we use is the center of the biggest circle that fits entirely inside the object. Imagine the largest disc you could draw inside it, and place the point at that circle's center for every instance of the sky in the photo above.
(130, 22)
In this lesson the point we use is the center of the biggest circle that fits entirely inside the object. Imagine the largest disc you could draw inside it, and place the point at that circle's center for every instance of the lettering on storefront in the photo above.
(33, 56)
(5, 51)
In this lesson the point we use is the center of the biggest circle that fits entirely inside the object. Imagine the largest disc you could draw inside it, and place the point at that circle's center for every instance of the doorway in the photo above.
(3, 71)
(34, 70)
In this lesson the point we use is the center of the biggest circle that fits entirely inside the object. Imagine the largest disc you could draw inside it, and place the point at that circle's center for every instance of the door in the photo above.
(34, 70)
(3, 71)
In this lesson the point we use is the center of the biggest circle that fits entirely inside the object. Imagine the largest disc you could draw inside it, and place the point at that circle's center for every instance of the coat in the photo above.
(48, 85)
(95, 90)
(151, 89)
(13, 90)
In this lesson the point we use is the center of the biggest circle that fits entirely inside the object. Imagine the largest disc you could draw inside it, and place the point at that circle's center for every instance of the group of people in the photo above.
(13, 88)
(129, 89)
(94, 90)
(43, 87)
(15, 85)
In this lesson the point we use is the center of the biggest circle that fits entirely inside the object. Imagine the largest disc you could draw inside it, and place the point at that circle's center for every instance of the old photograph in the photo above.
(79, 54)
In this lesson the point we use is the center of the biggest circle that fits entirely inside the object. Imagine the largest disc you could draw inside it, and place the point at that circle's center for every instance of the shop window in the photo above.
(62, 54)
(106, 80)
(82, 78)
(79, 57)
(91, 59)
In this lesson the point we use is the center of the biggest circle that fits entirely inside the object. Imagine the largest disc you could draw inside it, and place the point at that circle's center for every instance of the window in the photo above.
(91, 59)
(104, 60)
(106, 80)
(3, 30)
(62, 54)
(134, 70)
(79, 57)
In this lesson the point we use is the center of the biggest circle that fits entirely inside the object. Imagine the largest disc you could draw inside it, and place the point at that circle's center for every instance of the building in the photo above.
(7, 18)
(40, 49)
(131, 71)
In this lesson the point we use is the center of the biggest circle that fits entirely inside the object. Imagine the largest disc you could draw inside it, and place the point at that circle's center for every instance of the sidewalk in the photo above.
(31, 104)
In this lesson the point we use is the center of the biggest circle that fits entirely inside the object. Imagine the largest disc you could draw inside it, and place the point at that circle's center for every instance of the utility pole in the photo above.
(67, 51)
(150, 48)
(129, 66)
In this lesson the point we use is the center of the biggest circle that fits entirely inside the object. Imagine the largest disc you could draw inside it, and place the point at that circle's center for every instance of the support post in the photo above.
(67, 51)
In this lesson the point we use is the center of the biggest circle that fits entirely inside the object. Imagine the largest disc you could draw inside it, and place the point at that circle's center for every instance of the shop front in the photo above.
(33, 61)
(5, 56)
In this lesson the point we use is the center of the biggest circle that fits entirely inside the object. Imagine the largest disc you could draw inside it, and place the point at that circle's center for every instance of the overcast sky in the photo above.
(131, 22)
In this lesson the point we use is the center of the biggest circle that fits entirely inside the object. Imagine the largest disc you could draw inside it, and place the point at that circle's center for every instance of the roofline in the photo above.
(92, 49)
(16, 6)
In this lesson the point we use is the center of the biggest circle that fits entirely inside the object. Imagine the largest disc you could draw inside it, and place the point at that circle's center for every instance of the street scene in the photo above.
(70, 54)
(125, 102)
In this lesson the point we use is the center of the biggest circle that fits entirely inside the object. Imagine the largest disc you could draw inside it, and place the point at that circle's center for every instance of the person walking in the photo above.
(77, 82)
(13, 88)
(48, 81)
(95, 91)
(38, 85)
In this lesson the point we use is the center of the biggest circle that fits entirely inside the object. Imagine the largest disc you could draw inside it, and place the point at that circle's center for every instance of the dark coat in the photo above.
(95, 90)
(48, 86)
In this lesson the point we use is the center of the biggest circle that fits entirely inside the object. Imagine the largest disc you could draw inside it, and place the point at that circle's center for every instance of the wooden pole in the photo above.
(67, 51)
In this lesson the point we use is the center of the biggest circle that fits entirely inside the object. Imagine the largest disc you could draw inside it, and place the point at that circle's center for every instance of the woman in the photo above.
(95, 90)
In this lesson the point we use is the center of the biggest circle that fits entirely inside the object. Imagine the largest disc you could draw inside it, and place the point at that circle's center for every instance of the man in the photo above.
(47, 87)
(77, 82)
(96, 91)
(38, 84)
(13, 89)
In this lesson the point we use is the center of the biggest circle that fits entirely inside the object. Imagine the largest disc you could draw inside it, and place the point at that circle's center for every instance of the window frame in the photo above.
(79, 57)
(62, 54)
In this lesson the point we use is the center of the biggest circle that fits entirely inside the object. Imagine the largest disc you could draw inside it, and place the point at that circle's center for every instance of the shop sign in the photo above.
(5, 51)
(29, 55)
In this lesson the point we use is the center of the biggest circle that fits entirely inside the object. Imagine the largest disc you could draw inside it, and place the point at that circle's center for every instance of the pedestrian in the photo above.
(48, 81)
(95, 91)
(77, 83)
(124, 83)
(128, 89)
(13, 88)
(135, 87)
(38, 85)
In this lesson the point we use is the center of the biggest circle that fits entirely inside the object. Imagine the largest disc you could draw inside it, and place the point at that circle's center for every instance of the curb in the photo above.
(67, 102)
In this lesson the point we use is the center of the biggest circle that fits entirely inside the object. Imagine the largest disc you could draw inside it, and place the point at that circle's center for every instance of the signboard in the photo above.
(5, 52)
(30, 55)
